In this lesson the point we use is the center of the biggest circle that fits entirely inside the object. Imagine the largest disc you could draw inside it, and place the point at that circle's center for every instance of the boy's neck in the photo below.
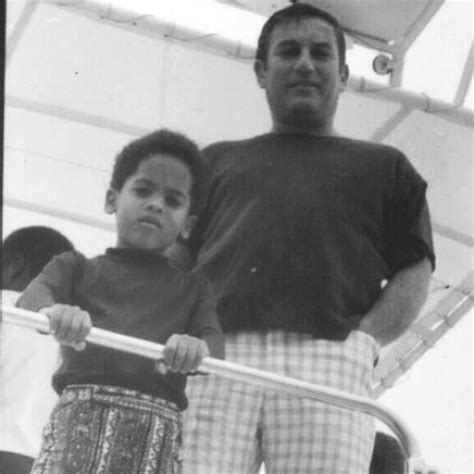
(137, 253)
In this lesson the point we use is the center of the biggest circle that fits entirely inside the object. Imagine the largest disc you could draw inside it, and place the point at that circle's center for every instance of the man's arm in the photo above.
(399, 303)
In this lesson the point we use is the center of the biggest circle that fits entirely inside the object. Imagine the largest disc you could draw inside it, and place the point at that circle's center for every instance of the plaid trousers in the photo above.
(99, 429)
(232, 428)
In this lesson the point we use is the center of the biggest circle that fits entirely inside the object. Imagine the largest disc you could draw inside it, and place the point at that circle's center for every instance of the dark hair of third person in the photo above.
(169, 143)
(299, 12)
(37, 244)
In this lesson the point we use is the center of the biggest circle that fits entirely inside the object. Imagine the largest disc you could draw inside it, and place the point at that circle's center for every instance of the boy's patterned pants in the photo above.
(98, 429)
(231, 427)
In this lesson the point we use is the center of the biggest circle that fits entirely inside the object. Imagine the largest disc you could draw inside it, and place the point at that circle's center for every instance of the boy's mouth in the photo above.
(151, 221)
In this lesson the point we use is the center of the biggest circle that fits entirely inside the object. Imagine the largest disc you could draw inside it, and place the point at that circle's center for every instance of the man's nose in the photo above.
(305, 62)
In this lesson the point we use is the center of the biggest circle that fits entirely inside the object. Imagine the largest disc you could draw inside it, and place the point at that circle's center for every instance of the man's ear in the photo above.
(344, 76)
(259, 69)
(189, 223)
(110, 201)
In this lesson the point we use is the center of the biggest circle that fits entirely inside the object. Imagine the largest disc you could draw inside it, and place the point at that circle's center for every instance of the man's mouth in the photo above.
(305, 84)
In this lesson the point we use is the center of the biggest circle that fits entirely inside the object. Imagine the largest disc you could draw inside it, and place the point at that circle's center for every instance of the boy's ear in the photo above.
(259, 69)
(189, 223)
(110, 201)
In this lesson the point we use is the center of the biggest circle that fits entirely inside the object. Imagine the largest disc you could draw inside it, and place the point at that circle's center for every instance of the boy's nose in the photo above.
(156, 204)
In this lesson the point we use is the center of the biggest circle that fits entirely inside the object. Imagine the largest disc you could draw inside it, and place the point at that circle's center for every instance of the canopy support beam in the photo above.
(426, 332)
(19, 28)
(73, 115)
(386, 128)
(466, 78)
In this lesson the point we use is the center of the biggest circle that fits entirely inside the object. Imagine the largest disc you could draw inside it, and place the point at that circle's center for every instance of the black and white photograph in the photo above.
(237, 237)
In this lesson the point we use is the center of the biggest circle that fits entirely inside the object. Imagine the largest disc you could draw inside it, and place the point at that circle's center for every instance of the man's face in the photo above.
(302, 77)
(153, 205)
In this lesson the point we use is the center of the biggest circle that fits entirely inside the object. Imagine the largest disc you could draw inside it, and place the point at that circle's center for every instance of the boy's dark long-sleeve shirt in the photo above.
(131, 292)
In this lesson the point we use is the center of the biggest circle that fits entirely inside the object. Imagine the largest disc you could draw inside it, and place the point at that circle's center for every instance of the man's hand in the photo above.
(70, 325)
(183, 353)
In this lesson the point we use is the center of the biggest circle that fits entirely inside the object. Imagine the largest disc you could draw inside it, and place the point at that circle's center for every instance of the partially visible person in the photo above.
(28, 359)
(388, 456)
(119, 413)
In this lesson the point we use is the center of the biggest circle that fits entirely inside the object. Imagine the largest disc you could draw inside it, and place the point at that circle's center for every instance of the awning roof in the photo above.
(385, 25)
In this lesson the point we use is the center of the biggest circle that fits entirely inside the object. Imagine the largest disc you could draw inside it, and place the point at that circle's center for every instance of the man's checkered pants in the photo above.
(231, 427)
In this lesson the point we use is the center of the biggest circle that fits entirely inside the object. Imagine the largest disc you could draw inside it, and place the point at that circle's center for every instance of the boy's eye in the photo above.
(174, 201)
(142, 192)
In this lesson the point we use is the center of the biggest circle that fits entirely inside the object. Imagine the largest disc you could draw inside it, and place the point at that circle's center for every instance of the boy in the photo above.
(117, 412)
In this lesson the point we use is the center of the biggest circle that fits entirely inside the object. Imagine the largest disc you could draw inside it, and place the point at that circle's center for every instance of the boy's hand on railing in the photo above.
(70, 325)
(183, 353)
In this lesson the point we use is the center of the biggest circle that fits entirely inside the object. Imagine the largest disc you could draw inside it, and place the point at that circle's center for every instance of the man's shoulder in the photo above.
(270, 139)
(217, 149)
(367, 153)
(369, 147)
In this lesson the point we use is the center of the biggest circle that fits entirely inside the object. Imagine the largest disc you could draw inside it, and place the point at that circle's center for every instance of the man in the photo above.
(302, 230)
(28, 359)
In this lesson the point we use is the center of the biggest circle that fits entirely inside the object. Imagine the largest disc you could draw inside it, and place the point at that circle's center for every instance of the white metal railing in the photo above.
(267, 380)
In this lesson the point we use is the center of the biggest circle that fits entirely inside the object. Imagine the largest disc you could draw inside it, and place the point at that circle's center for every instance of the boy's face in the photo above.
(153, 205)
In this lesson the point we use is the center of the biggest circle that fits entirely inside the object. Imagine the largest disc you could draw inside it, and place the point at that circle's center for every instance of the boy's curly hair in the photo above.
(167, 142)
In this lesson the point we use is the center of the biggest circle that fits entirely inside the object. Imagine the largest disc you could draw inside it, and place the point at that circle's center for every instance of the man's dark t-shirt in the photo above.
(300, 231)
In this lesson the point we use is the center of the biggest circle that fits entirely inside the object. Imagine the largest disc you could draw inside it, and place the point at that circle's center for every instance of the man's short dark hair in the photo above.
(37, 244)
(164, 141)
(298, 12)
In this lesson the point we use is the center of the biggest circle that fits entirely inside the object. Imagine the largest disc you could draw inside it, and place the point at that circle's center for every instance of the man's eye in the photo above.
(288, 52)
(321, 54)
